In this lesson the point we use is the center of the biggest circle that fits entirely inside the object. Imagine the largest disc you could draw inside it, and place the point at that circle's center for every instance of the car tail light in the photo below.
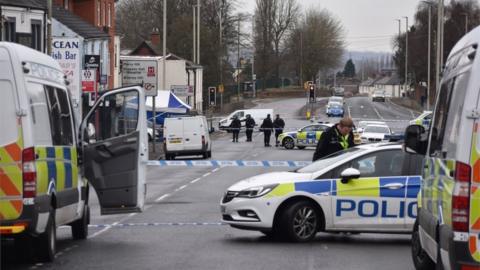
(29, 173)
(461, 197)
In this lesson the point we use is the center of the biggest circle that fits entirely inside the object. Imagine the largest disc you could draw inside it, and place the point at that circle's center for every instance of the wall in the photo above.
(23, 20)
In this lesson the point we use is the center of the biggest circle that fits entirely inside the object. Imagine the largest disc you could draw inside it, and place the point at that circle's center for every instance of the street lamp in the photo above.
(429, 50)
(466, 21)
(406, 52)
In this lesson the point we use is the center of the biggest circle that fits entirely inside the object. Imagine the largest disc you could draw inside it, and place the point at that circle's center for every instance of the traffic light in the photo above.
(312, 93)
(212, 94)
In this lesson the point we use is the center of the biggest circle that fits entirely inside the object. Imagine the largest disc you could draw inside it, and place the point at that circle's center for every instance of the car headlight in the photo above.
(255, 192)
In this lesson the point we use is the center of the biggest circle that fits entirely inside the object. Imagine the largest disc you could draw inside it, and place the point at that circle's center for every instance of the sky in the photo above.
(369, 24)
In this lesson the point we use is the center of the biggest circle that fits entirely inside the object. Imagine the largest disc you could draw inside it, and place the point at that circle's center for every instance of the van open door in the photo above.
(114, 144)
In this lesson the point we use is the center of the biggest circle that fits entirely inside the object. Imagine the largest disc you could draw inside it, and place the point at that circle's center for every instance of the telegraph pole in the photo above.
(406, 53)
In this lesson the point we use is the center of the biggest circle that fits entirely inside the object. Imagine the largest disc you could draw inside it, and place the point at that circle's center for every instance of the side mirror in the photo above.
(350, 173)
(415, 140)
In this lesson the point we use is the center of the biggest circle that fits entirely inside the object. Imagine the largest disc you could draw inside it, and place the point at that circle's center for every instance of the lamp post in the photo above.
(406, 52)
(429, 51)
(466, 21)
(439, 61)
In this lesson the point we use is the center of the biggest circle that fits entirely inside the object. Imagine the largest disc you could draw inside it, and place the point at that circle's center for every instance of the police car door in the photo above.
(306, 135)
(376, 200)
(115, 150)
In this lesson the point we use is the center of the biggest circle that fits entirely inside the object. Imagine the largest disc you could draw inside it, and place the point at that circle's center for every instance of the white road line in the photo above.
(349, 113)
(180, 188)
(195, 180)
(376, 111)
(162, 197)
(215, 170)
(207, 174)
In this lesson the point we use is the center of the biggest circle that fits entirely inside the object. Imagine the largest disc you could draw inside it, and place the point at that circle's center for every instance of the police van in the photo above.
(368, 188)
(48, 159)
(447, 229)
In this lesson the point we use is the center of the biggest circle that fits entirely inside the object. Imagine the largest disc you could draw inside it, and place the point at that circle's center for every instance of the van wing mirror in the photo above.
(349, 173)
(415, 140)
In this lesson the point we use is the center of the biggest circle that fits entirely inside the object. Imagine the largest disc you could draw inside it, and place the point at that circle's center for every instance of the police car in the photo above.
(306, 136)
(367, 188)
(423, 119)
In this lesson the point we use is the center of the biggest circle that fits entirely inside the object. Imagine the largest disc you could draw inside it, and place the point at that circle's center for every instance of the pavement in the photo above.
(180, 227)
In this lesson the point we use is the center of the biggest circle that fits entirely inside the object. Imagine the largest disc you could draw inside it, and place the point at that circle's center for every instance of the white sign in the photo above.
(67, 52)
(143, 72)
(182, 90)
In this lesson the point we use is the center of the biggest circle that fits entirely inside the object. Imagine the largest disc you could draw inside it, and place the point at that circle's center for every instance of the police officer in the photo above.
(267, 127)
(249, 125)
(235, 128)
(278, 124)
(334, 139)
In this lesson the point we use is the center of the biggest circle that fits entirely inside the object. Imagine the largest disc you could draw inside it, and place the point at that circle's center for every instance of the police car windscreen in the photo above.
(329, 160)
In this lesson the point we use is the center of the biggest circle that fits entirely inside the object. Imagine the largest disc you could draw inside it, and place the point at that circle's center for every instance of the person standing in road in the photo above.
(249, 125)
(235, 128)
(278, 124)
(267, 127)
(337, 138)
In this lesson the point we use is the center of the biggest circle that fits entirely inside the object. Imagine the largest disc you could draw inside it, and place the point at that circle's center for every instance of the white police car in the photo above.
(367, 188)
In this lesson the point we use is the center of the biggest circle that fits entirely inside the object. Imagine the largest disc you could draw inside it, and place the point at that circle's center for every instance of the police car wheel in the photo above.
(301, 147)
(80, 227)
(288, 143)
(421, 260)
(46, 243)
(300, 221)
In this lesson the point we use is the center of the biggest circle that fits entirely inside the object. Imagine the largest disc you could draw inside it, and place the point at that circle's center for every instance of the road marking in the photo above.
(215, 170)
(376, 111)
(180, 188)
(156, 224)
(207, 174)
(349, 113)
(162, 197)
(195, 180)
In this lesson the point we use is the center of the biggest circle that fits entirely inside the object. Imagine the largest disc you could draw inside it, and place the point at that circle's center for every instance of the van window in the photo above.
(117, 115)
(440, 121)
(448, 113)
(60, 116)
(40, 114)
(455, 114)
(8, 116)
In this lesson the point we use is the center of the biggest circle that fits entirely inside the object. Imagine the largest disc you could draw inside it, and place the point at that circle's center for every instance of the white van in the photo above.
(257, 114)
(447, 229)
(186, 136)
(45, 171)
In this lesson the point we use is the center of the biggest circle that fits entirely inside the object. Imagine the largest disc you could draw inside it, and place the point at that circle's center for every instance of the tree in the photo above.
(349, 70)
(315, 45)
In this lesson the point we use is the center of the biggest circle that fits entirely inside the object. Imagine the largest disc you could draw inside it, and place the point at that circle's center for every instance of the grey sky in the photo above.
(369, 24)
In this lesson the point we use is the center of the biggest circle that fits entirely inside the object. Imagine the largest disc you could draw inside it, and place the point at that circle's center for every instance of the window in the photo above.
(117, 115)
(440, 121)
(8, 115)
(10, 30)
(104, 11)
(60, 116)
(109, 15)
(378, 164)
(40, 114)
(36, 35)
(65, 4)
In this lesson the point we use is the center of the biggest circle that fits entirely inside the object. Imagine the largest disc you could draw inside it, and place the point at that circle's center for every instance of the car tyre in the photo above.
(300, 221)
(421, 260)
(80, 227)
(209, 154)
(150, 138)
(288, 143)
(205, 155)
(301, 147)
(46, 243)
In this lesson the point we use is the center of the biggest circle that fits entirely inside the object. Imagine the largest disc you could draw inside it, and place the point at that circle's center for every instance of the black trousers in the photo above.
(249, 135)
(267, 134)
(235, 135)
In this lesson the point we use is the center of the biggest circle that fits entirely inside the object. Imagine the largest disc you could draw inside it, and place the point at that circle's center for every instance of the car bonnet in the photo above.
(270, 178)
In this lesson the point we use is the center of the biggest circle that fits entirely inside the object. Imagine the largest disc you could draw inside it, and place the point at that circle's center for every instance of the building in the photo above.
(181, 73)
(390, 84)
(24, 22)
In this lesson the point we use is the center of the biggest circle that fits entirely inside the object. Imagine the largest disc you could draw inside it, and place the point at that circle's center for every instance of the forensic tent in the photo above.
(166, 105)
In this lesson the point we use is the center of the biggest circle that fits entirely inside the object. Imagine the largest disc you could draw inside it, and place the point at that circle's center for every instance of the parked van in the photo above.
(186, 136)
(257, 114)
(447, 229)
(44, 171)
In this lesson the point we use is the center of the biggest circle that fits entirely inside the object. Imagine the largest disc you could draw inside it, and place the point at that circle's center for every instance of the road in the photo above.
(180, 227)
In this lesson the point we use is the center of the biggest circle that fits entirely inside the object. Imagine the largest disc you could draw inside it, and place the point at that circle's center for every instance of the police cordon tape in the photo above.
(151, 224)
(228, 163)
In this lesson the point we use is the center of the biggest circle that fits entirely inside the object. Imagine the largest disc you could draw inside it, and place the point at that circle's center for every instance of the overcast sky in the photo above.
(369, 24)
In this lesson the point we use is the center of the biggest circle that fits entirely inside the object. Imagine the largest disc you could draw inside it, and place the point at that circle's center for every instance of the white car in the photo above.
(367, 188)
(362, 124)
(375, 133)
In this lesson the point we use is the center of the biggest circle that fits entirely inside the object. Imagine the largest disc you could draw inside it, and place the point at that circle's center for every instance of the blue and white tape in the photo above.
(228, 163)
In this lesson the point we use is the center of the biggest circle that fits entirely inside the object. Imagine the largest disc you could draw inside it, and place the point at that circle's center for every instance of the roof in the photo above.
(36, 4)
(389, 80)
(77, 24)
(368, 82)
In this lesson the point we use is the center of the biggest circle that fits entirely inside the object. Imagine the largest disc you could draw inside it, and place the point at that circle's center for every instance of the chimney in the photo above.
(155, 37)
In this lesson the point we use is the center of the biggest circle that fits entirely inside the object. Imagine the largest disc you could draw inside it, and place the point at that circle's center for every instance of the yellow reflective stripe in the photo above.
(281, 190)
(60, 166)
(318, 135)
(8, 210)
(41, 152)
(364, 187)
(42, 170)
(302, 135)
(74, 167)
